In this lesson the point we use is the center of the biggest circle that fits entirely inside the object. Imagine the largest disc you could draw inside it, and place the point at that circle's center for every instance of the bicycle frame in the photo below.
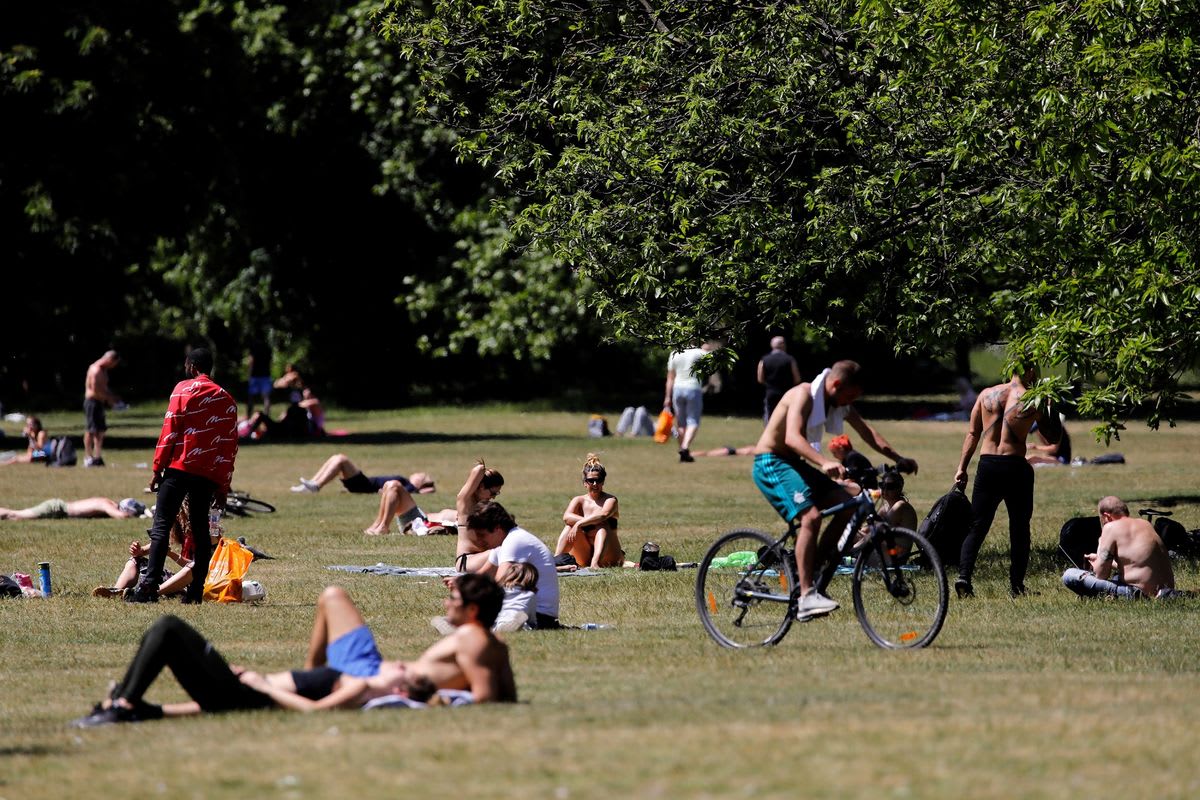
(864, 509)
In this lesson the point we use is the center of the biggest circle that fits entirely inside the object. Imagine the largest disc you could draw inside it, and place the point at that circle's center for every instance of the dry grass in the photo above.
(1037, 697)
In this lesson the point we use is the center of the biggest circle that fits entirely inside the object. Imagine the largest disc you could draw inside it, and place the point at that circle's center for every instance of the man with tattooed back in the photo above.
(999, 424)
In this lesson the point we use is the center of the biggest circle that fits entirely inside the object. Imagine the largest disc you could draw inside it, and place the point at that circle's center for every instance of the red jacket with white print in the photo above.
(199, 433)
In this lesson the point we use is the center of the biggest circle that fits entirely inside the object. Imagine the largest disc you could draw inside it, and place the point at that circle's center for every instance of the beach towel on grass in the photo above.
(432, 572)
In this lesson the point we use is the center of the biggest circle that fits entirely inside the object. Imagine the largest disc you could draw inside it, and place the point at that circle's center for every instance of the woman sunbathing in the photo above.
(590, 535)
(179, 550)
(216, 686)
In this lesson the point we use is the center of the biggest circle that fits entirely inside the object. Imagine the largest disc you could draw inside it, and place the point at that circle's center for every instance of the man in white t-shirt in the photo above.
(510, 544)
(684, 394)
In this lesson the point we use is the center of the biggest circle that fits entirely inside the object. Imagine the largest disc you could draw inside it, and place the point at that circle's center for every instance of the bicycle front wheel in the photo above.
(900, 593)
(744, 589)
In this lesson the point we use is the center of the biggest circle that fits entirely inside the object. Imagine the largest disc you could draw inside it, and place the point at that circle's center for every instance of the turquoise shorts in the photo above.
(789, 487)
(354, 653)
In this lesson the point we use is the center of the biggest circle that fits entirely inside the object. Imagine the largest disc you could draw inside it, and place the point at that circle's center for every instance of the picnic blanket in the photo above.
(433, 572)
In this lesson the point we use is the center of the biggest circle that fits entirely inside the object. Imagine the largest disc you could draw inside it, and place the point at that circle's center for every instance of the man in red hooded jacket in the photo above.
(194, 459)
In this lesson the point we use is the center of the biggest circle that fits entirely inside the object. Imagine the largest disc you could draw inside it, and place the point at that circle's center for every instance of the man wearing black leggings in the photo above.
(999, 425)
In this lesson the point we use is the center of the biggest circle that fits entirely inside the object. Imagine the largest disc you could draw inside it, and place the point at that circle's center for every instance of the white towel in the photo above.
(822, 419)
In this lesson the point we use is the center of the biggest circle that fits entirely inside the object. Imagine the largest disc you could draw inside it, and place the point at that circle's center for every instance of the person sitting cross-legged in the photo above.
(1131, 547)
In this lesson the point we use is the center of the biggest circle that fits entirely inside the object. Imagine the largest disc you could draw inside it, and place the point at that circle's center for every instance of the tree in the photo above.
(924, 170)
(196, 170)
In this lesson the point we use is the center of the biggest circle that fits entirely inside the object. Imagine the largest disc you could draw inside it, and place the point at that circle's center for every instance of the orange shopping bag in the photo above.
(662, 430)
(229, 565)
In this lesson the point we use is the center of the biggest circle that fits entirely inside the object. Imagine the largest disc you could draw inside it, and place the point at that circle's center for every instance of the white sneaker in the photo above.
(306, 487)
(814, 604)
(419, 527)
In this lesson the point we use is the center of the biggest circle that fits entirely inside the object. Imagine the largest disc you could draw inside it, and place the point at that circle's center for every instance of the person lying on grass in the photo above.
(590, 535)
(89, 507)
(396, 501)
(343, 669)
(356, 481)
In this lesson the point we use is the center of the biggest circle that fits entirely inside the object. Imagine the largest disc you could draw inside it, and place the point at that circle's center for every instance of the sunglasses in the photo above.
(593, 481)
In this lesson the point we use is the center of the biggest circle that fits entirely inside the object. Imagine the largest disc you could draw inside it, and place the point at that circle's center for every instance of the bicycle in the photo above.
(897, 581)
(241, 504)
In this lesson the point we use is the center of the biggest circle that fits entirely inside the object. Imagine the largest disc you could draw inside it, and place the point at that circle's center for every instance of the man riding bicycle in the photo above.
(798, 491)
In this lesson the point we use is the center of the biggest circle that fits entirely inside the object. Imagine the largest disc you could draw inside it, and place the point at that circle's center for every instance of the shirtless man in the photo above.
(96, 398)
(999, 425)
(1143, 566)
(470, 658)
(796, 490)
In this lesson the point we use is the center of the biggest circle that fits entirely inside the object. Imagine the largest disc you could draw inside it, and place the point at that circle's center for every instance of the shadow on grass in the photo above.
(1168, 501)
(119, 442)
(29, 750)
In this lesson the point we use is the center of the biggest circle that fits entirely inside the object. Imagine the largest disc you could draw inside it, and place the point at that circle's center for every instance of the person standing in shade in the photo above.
(193, 460)
(684, 394)
(97, 398)
(258, 362)
(777, 372)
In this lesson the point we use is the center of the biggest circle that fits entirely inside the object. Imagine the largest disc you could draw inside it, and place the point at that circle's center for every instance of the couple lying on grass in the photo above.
(343, 669)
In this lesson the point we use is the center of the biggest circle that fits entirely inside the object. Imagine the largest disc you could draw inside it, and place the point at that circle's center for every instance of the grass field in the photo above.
(1037, 697)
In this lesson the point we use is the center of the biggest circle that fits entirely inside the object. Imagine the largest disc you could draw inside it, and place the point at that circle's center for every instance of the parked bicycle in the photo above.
(241, 504)
(746, 589)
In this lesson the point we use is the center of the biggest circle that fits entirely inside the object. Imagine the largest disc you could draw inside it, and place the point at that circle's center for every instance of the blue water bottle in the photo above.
(44, 572)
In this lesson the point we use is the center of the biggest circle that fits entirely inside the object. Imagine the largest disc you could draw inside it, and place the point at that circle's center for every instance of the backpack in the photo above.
(652, 560)
(947, 524)
(598, 427)
(60, 452)
(1176, 537)
(1078, 537)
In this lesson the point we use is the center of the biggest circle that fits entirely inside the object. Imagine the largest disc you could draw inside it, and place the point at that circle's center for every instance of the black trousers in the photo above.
(199, 668)
(1008, 479)
(175, 486)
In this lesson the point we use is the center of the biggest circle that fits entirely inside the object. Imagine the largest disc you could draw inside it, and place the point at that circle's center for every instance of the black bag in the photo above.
(1176, 537)
(9, 587)
(947, 525)
(60, 452)
(1078, 537)
(653, 561)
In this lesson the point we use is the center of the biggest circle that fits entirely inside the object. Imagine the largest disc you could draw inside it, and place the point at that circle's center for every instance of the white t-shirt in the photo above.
(682, 364)
(522, 547)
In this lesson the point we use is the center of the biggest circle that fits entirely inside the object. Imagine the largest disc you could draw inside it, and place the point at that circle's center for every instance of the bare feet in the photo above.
(373, 531)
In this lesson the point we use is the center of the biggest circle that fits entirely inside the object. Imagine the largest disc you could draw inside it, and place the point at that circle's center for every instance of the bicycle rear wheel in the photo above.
(744, 589)
(257, 506)
(900, 592)
(239, 503)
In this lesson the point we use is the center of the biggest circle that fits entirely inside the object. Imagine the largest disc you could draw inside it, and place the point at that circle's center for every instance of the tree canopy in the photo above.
(206, 171)
(928, 171)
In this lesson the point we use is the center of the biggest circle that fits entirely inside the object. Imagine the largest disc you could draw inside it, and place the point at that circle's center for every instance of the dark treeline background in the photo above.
(185, 171)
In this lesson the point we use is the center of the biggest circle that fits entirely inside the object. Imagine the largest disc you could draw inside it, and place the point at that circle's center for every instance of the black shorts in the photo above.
(94, 420)
(361, 484)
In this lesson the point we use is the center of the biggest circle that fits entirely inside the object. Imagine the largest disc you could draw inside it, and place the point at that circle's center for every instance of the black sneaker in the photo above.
(963, 588)
(685, 457)
(93, 462)
(106, 716)
(136, 595)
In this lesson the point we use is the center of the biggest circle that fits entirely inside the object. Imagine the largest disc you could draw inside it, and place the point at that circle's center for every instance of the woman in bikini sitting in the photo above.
(590, 534)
